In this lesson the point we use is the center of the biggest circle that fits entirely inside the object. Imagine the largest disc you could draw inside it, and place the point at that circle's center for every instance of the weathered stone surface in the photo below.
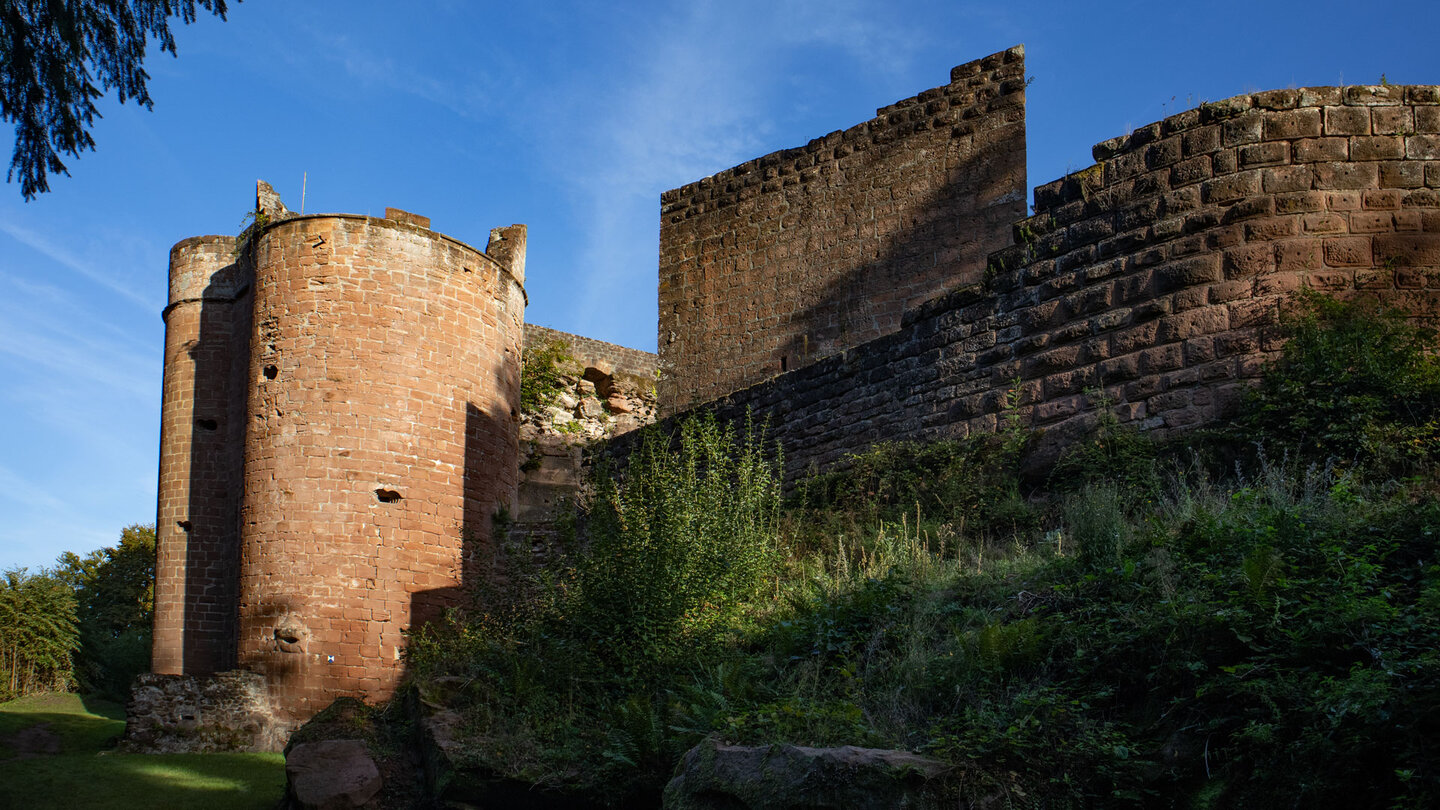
(387, 409)
(590, 408)
(788, 777)
(230, 711)
(331, 775)
(609, 391)
(1322, 188)
(453, 779)
(785, 259)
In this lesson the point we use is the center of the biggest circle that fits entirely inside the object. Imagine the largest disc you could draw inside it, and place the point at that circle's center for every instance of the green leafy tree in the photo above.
(52, 57)
(115, 594)
(38, 631)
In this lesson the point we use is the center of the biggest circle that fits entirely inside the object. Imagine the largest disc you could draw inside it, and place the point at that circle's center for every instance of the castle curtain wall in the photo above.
(1155, 275)
(794, 256)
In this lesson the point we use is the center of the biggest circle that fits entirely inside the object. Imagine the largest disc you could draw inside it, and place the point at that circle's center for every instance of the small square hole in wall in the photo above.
(329, 659)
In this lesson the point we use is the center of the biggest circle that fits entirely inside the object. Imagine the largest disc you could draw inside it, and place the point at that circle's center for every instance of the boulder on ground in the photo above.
(331, 775)
(789, 777)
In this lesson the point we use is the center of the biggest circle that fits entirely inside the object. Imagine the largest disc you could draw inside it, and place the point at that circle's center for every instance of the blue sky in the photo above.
(571, 117)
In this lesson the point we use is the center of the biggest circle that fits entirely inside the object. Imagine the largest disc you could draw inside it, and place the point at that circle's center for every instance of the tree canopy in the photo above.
(58, 56)
(114, 592)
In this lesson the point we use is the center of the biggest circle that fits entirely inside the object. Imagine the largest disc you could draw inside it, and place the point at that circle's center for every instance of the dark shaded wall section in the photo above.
(791, 257)
(203, 425)
(1154, 275)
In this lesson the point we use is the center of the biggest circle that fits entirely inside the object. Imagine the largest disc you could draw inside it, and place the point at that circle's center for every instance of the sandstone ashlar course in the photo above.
(794, 256)
(1154, 276)
(330, 476)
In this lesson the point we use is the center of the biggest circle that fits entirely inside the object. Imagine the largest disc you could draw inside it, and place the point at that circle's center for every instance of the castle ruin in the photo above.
(341, 391)
(338, 427)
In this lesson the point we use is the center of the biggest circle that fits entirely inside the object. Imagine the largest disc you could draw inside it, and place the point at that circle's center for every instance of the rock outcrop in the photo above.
(713, 776)
(331, 775)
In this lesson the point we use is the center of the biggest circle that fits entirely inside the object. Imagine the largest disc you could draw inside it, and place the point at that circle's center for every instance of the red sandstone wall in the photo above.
(590, 352)
(1154, 275)
(197, 528)
(799, 254)
(384, 363)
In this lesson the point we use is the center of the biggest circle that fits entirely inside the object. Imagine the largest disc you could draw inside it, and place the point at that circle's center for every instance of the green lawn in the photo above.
(53, 754)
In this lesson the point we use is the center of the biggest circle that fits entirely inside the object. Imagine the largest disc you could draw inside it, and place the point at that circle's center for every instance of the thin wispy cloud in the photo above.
(697, 101)
(52, 250)
(51, 343)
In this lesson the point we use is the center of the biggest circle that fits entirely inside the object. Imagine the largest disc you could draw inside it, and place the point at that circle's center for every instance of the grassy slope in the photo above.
(84, 773)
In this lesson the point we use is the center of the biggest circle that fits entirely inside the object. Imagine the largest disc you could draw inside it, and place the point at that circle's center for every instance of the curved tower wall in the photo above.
(206, 337)
(382, 391)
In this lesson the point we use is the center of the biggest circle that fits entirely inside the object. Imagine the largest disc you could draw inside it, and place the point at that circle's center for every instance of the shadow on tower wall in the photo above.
(211, 528)
(491, 470)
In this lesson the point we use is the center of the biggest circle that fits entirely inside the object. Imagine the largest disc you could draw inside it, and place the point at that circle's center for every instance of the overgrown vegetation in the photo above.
(1356, 383)
(566, 673)
(542, 375)
(1149, 630)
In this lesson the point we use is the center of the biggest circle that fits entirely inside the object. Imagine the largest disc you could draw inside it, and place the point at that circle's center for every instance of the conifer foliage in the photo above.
(58, 56)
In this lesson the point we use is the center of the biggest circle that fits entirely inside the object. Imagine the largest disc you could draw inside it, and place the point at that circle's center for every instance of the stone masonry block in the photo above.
(1272, 228)
(1283, 179)
(1427, 120)
(1391, 120)
(1248, 260)
(1324, 223)
(1372, 222)
(1347, 251)
(1408, 250)
(1188, 272)
(1267, 153)
(1231, 187)
(1347, 121)
(1200, 141)
(1297, 255)
(1295, 203)
(1386, 199)
(1346, 175)
(1374, 95)
(1422, 147)
(1190, 171)
(1290, 124)
(1315, 150)
(1242, 129)
(1376, 147)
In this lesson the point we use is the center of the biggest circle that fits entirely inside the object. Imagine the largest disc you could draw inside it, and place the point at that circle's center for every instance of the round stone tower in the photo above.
(383, 388)
(202, 422)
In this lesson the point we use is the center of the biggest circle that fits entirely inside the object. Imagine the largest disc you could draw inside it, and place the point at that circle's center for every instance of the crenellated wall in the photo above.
(788, 258)
(1151, 274)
